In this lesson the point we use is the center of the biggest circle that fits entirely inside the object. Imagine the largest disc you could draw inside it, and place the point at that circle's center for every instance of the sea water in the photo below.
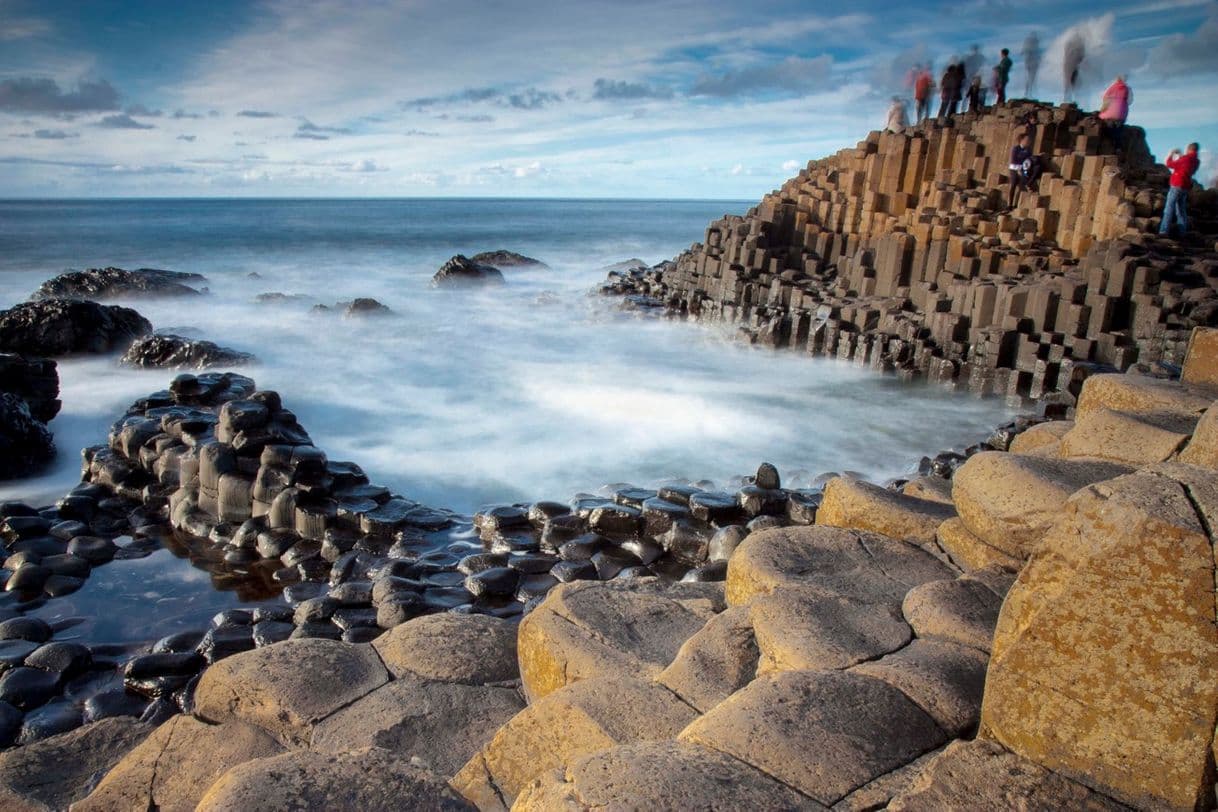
(536, 389)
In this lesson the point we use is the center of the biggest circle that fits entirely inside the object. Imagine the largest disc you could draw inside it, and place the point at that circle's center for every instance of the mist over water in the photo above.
(528, 391)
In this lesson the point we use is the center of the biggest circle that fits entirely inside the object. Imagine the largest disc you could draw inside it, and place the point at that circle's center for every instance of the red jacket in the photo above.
(1182, 168)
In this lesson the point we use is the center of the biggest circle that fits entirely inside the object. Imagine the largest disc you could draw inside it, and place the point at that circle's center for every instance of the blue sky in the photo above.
(702, 99)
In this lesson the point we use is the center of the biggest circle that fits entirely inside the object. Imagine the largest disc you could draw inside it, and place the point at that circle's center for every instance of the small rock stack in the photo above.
(899, 254)
(29, 399)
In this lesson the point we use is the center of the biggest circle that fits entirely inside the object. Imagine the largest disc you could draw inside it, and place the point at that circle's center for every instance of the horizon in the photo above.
(534, 100)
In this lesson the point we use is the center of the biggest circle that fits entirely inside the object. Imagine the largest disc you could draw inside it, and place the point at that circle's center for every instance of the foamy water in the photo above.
(464, 397)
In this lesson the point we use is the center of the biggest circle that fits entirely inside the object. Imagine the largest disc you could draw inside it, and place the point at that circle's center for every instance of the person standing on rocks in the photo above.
(1002, 75)
(1114, 109)
(976, 95)
(1031, 62)
(973, 63)
(923, 84)
(898, 118)
(1072, 62)
(950, 90)
(1175, 208)
(1021, 162)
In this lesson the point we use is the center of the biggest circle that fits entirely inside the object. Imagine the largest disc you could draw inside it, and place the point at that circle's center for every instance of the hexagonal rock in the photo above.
(823, 733)
(929, 488)
(853, 563)
(586, 629)
(1202, 447)
(1009, 500)
(586, 716)
(659, 775)
(59, 770)
(1134, 439)
(945, 679)
(716, 662)
(969, 552)
(288, 687)
(1138, 394)
(171, 769)
(366, 779)
(1042, 439)
(876, 794)
(1201, 357)
(960, 611)
(1106, 647)
(475, 649)
(808, 628)
(980, 774)
(442, 724)
(856, 504)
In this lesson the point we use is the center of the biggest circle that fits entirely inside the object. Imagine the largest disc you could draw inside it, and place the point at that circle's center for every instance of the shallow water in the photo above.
(461, 398)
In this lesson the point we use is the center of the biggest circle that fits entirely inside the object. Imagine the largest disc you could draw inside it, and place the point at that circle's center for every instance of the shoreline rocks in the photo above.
(462, 271)
(58, 327)
(167, 351)
(111, 283)
(506, 259)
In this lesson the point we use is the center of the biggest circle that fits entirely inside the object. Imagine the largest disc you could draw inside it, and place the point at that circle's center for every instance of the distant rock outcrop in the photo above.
(176, 352)
(55, 327)
(107, 283)
(25, 443)
(506, 259)
(461, 270)
(34, 380)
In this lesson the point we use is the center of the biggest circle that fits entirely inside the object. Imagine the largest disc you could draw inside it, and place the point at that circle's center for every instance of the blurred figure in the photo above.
(898, 117)
(1072, 62)
(1175, 208)
(1031, 62)
(950, 89)
(974, 63)
(976, 95)
(923, 84)
(1002, 75)
(1114, 109)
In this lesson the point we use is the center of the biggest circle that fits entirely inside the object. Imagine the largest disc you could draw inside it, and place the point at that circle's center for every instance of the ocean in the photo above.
(538, 389)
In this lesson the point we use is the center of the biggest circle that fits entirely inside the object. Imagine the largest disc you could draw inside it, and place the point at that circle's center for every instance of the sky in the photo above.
(532, 98)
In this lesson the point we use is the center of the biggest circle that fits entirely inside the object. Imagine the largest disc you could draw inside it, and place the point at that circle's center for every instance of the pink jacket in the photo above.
(1116, 102)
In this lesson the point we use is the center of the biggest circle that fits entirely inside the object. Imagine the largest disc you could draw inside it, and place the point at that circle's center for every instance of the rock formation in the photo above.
(110, 283)
(57, 327)
(461, 270)
(899, 254)
(168, 351)
(506, 259)
(29, 399)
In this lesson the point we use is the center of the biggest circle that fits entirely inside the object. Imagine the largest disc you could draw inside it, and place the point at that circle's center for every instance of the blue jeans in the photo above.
(1175, 210)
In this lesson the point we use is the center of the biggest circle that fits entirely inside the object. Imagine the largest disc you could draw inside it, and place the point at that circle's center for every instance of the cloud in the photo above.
(141, 110)
(529, 170)
(307, 129)
(108, 168)
(480, 118)
(1186, 54)
(311, 136)
(796, 75)
(122, 121)
(609, 89)
(181, 114)
(257, 114)
(15, 28)
(26, 94)
(187, 138)
(533, 99)
(365, 165)
(791, 166)
(471, 94)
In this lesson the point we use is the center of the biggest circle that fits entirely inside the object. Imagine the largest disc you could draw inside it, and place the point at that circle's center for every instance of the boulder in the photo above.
(1042, 439)
(34, 380)
(945, 679)
(1201, 358)
(968, 552)
(716, 662)
(963, 610)
(362, 307)
(1202, 447)
(823, 733)
(288, 687)
(865, 566)
(628, 628)
(440, 725)
(1107, 643)
(474, 649)
(108, 283)
(506, 259)
(1137, 394)
(371, 779)
(659, 775)
(60, 770)
(26, 443)
(1134, 439)
(877, 793)
(461, 270)
(808, 628)
(584, 717)
(57, 327)
(172, 768)
(980, 774)
(1008, 500)
(929, 488)
(166, 351)
(853, 503)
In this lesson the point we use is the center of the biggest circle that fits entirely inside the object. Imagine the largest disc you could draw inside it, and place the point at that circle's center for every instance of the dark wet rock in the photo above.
(361, 634)
(40, 547)
(274, 543)
(69, 528)
(26, 444)
(461, 270)
(64, 658)
(352, 617)
(801, 507)
(34, 380)
(568, 571)
(167, 351)
(115, 702)
(725, 541)
(635, 572)
(659, 514)
(93, 549)
(352, 593)
(542, 512)
(233, 617)
(49, 720)
(531, 564)
(478, 562)
(443, 598)
(626, 266)
(687, 542)
(535, 586)
(225, 641)
(179, 642)
(267, 632)
(612, 560)
(767, 477)
(25, 628)
(644, 550)
(315, 610)
(559, 530)
(756, 501)
(23, 526)
(59, 585)
(364, 307)
(677, 493)
(506, 259)
(708, 506)
(582, 548)
(276, 297)
(106, 283)
(14, 652)
(712, 571)
(30, 578)
(501, 517)
(317, 630)
(494, 581)
(159, 711)
(160, 674)
(56, 327)
(759, 523)
(399, 607)
(26, 688)
(281, 614)
(10, 723)
(615, 519)
(634, 497)
(298, 593)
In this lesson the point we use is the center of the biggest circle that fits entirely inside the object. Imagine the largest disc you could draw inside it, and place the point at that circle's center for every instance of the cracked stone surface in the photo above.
(474, 649)
(962, 610)
(716, 662)
(850, 502)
